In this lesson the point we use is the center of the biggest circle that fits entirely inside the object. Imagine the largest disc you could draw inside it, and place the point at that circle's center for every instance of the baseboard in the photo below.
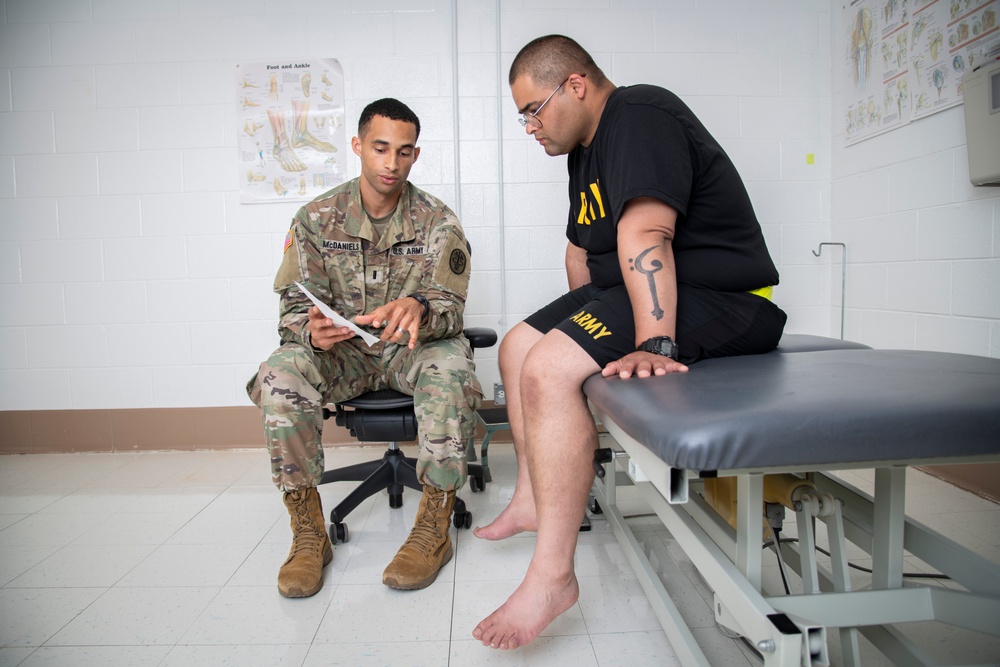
(149, 429)
(983, 479)
(238, 427)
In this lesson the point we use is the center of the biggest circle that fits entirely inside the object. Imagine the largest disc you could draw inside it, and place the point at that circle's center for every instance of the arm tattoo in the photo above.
(656, 265)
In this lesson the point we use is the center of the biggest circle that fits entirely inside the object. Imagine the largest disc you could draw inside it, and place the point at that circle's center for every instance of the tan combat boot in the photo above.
(428, 548)
(302, 573)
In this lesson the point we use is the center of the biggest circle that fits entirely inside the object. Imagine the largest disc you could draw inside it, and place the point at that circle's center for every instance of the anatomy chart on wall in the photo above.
(292, 140)
(877, 53)
(949, 36)
(905, 58)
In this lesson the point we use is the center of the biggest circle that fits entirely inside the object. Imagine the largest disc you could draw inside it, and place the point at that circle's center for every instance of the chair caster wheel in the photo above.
(395, 500)
(477, 484)
(594, 506)
(463, 520)
(339, 532)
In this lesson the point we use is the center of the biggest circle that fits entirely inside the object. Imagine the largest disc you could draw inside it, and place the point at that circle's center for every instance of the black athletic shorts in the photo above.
(709, 323)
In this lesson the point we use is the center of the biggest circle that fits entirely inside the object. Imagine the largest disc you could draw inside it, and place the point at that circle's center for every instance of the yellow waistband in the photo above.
(765, 292)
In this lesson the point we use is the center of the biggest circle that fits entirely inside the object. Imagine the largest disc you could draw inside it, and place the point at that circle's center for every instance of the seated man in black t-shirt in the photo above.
(666, 265)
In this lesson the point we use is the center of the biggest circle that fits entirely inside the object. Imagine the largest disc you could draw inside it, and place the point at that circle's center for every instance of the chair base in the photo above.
(392, 472)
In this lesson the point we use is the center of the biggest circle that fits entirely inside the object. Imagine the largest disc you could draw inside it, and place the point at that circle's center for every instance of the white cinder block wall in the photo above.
(131, 277)
(923, 243)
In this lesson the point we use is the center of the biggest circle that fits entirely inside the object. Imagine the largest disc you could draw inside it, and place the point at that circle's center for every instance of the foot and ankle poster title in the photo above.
(292, 142)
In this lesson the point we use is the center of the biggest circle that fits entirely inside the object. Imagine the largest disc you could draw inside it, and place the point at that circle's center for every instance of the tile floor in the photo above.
(168, 558)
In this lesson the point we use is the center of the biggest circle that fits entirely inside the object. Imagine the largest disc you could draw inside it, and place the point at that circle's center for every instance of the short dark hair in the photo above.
(550, 59)
(389, 108)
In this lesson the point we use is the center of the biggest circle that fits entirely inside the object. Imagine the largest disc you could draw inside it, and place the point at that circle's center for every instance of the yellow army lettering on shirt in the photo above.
(591, 325)
(587, 210)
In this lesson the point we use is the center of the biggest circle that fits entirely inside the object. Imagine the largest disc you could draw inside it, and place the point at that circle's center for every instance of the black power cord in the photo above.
(911, 575)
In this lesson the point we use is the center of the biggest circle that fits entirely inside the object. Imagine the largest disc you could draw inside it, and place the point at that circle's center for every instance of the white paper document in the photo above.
(339, 319)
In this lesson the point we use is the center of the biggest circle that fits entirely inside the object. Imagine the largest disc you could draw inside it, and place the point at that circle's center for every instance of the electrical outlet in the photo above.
(499, 395)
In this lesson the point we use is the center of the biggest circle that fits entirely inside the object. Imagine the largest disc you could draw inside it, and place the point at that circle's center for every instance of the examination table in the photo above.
(812, 406)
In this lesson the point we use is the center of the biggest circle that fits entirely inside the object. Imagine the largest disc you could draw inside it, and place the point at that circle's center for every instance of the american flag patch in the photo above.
(288, 241)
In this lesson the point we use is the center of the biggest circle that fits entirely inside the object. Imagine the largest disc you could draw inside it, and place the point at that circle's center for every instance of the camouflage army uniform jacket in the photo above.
(329, 249)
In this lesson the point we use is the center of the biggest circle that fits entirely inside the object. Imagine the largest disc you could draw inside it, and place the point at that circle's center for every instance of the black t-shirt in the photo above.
(650, 144)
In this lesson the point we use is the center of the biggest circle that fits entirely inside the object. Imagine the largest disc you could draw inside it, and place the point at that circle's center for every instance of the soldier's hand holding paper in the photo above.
(335, 329)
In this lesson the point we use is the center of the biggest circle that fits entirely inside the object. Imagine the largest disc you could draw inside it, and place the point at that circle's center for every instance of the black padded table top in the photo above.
(811, 408)
(809, 343)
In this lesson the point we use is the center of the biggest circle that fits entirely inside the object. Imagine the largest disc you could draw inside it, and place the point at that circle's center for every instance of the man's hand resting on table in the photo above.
(643, 364)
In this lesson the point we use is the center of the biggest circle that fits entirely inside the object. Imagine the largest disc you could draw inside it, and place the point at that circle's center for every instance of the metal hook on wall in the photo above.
(843, 279)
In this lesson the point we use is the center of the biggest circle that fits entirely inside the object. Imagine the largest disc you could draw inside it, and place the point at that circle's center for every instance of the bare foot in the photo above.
(532, 607)
(513, 519)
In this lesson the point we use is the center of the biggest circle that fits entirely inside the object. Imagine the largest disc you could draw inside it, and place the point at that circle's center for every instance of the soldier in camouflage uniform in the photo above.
(392, 258)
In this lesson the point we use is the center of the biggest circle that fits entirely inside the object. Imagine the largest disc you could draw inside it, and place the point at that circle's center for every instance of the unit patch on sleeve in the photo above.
(453, 273)
(458, 261)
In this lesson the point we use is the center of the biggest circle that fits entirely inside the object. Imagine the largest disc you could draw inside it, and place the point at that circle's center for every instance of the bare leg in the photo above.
(519, 515)
(560, 442)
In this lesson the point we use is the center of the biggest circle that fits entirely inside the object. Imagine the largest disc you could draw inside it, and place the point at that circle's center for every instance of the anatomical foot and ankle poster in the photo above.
(292, 141)
(905, 58)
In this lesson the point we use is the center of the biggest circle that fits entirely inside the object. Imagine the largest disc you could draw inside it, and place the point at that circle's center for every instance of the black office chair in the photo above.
(387, 415)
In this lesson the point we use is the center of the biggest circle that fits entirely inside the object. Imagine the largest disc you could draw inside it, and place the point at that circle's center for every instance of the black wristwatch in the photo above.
(423, 302)
(661, 345)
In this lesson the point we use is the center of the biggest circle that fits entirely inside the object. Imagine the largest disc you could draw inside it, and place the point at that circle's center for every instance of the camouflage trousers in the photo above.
(295, 382)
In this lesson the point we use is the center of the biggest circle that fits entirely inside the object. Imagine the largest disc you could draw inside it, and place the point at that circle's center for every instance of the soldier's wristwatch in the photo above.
(423, 302)
(661, 345)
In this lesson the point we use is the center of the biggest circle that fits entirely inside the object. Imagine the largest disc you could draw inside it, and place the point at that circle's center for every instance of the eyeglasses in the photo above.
(531, 117)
